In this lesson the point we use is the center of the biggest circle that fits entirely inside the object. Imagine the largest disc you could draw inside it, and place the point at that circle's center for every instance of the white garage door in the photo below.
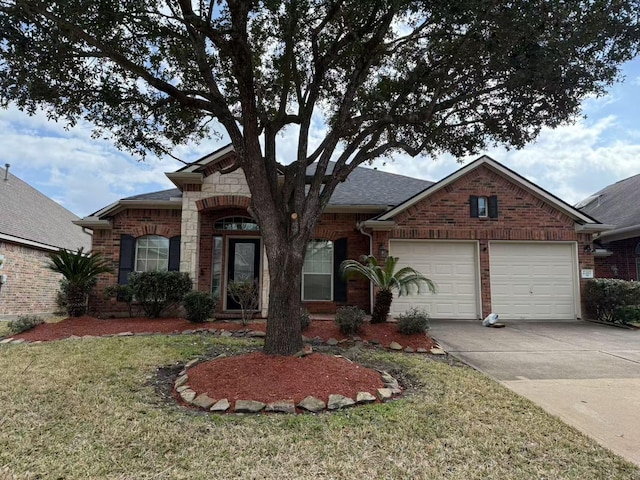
(533, 280)
(452, 266)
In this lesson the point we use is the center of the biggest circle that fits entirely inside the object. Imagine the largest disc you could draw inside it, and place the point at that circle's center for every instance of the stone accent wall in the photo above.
(31, 288)
(445, 215)
(623, 263)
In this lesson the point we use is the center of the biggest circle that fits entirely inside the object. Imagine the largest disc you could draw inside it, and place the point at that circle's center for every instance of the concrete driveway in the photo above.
(585, 373)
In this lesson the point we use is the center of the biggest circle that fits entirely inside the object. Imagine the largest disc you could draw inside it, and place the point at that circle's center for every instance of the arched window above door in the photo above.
(236, 224)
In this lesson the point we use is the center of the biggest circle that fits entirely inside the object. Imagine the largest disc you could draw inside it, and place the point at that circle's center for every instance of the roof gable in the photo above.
(512, 176)
(30, 217)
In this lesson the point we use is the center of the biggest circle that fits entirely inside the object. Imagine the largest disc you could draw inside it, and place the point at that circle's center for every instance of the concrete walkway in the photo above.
(587, 374)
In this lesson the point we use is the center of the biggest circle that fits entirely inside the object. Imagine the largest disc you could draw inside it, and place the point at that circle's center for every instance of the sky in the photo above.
(85, 174)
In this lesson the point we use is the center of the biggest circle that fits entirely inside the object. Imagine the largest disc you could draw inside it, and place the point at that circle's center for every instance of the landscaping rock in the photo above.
(222, 355)
(191, 363)
(6, 340)
(183, 388)
(306, 350)
(248, 406)
(203, 401)
(224, 333)
(421, 350)
(220, 406)
(181, 380)
(339, 401)
(356, 338)
(75, 337)
(365, 397)
(188, 395)
(316, 341)
(281, 406)
(17, 341)
(374, 341)
(409, 350)
(88, 337)
(437, 351)
(386, 377)
(121, 334)
(312, 404)
(395, 346)
(256, 334)
(332, 342)
(384, 394)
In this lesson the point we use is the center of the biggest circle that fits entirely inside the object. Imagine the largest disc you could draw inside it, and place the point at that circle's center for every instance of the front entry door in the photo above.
(243, 264)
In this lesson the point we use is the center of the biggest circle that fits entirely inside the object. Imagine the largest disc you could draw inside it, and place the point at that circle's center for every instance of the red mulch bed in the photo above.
(267, 378)
(385, 333)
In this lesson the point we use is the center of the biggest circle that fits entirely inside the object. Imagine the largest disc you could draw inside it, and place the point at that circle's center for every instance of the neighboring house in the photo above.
(31, 226)
(490, 239)
(618, 249)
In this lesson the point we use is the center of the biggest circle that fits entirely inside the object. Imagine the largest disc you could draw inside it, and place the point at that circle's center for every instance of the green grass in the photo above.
(86, 409)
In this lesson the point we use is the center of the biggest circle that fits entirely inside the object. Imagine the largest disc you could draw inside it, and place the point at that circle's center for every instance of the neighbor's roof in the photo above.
(31, 218)
(618, 204)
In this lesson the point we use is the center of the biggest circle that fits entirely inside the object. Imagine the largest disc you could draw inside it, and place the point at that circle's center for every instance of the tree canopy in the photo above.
(381, 77)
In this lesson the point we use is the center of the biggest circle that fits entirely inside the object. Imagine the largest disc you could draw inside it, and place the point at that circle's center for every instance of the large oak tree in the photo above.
(419, 77)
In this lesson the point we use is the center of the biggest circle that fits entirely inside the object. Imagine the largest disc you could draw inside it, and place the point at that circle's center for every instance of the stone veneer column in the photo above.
(190, 235)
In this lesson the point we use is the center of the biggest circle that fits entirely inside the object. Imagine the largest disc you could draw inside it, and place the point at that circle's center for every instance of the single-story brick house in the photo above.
(31, 226)
(617, 253)
(490, 239)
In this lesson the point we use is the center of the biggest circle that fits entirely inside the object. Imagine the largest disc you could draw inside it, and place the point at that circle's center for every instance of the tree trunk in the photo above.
(284, 332)
(76, 300)
(382, 306)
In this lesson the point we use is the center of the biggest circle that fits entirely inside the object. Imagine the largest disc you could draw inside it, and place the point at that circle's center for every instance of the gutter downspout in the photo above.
(360, 228)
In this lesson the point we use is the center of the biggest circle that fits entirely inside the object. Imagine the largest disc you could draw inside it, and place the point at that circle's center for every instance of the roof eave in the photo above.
(94, 223)
(27, 242)
(619, 234)
(378, 225)
(180, 179)
(593, 227)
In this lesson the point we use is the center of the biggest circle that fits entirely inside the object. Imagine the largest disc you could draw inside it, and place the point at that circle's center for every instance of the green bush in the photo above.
(199, 306)
(305, 318)
(24, 323)
(123, 293)
(628, 314)
(157, 291)
(605, 296)
(414, 320)
(349, 319)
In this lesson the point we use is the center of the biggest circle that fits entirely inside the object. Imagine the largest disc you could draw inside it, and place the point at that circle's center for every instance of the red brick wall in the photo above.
(623, 260)
(521, 216)
(134, 222)
(31, 288)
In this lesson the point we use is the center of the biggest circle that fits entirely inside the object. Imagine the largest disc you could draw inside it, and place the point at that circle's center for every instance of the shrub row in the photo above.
(350, 319)
(613, 300)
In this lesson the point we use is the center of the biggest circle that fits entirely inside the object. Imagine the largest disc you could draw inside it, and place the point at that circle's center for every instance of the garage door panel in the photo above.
(452, 266)
(533, 280)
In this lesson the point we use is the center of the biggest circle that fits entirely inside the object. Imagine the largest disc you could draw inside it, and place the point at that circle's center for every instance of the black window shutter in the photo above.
(127, 258)
(174, 253)
(473, 206)
(339, 256)
(493, 206)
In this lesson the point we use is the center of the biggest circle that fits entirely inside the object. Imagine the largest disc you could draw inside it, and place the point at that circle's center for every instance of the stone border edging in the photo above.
(310, 404)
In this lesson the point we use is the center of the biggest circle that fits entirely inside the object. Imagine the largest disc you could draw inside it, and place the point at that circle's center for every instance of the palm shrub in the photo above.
(80, 270)
(387, 280)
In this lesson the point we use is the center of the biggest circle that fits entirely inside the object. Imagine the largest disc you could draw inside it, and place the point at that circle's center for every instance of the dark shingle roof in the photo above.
(617, 204)
(367, 186)
(160, 196)
(30, 215)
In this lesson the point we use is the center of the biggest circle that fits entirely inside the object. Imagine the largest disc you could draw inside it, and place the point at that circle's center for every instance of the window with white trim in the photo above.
(483, 207)
(317, 272)
(152, 254)
(236, 224)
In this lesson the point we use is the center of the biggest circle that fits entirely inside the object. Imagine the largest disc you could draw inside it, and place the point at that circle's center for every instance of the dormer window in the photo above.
(483, 207)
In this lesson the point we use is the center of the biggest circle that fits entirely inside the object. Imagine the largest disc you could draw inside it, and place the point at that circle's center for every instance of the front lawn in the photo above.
(91, 409)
